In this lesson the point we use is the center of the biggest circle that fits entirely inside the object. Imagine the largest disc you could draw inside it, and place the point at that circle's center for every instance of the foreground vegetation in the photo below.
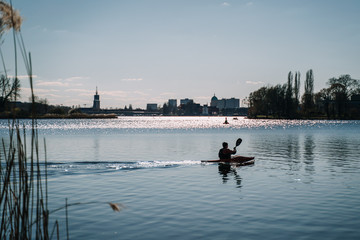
(23, 201)
(340, 100)
(23, 175)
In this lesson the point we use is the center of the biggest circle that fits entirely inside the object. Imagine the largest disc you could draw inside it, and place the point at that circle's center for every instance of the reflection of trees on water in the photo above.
(309, 146)
(302, 154)
(226, 170)
(342, 152)
(293, 152)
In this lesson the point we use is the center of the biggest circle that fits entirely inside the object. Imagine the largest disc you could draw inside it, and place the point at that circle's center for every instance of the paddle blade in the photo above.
(238, 142)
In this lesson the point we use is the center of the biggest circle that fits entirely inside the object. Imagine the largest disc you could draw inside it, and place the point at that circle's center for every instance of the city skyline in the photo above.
(171, 102)
(140, 52)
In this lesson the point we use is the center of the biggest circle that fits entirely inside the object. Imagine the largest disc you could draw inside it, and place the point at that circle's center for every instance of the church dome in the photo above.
(214, 98)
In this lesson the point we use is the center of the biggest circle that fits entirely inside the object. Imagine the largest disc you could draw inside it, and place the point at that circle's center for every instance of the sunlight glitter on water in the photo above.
(180, 123)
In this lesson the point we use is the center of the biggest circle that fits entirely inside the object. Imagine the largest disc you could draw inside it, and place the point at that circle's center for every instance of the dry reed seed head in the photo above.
(115, 207)
(9, 17)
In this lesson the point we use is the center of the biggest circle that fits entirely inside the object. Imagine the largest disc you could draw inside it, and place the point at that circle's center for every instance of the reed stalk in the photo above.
(24, 199)
(24, 209)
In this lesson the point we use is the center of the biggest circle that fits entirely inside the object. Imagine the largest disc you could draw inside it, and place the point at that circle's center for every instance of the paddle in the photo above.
(238, 142)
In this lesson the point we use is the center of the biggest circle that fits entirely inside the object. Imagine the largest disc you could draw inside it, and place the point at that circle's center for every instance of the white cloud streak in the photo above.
(131, 79)
(67, 82)
(23, 76)
(254, 83)
(225, 4)
(71, 79)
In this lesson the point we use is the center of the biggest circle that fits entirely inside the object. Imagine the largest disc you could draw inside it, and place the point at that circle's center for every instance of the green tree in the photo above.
(276, 100)
(289, 96)
(297, 89)
(308, 97)
(341, 90)
(257, 102)
(269, 101)
(165, 109)
(322, 101)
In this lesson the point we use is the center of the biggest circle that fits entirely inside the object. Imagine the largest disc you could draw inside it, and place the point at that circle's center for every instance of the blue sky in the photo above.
(147, 51)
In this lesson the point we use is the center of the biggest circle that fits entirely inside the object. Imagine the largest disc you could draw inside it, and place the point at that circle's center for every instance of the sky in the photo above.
(148, 51)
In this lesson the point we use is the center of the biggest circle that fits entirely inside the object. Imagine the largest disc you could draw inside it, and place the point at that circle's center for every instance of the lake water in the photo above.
(305, 183)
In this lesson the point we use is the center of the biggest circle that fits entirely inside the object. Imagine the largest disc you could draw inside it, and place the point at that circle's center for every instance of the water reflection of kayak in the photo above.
(235, 159)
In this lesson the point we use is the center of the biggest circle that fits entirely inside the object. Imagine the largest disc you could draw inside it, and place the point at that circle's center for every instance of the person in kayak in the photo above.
(225, 152)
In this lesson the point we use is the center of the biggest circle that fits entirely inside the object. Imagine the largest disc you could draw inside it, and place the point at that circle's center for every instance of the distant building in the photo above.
(205, 110)
(96, 104)
(221, 104)
(151, 107)
(225, 103)
(232, 103)
(172, 103)
(186, 101)
(214, 101)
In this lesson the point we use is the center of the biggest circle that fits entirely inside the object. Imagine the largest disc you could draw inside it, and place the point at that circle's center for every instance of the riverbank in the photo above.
(64, 116)
(320, 117)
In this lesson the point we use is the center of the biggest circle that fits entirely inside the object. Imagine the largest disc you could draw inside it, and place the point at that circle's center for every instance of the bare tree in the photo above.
(10, 91)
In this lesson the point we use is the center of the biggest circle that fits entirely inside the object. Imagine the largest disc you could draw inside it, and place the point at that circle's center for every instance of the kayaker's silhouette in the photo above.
(225, 152)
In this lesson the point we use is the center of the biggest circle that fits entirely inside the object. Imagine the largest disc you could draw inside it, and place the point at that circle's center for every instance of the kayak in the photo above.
(235, 159)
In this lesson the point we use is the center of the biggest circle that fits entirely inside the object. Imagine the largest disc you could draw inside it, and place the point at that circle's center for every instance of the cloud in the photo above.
(52, 84)
(39, 90)
(82, 92)
(167, 94)
(140, 93)
(254, 83)
(106, 94)
(68, 82)
(203, 98)
(42, 93)
(71, 79)
(131, 79)
(23, 76)
(249, 4)
(113, 93)
(51, 95)
(225, 4)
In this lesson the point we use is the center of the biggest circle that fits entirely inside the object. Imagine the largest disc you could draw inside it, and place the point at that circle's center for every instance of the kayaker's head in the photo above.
(225, 145)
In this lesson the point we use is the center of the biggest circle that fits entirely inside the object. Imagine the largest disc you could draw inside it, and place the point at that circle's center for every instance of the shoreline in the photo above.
(59, 116)
(113, 116)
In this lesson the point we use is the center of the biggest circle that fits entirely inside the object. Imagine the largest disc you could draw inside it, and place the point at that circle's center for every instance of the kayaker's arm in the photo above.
(227, 151)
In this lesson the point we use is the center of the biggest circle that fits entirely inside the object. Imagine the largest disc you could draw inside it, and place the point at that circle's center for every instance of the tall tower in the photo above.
(96, 105)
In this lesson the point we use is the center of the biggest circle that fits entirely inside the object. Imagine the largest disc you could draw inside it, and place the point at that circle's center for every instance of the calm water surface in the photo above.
(305, 183)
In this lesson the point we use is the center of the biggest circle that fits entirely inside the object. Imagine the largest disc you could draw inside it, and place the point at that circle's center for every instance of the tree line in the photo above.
(337, 101)
(10, 107)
